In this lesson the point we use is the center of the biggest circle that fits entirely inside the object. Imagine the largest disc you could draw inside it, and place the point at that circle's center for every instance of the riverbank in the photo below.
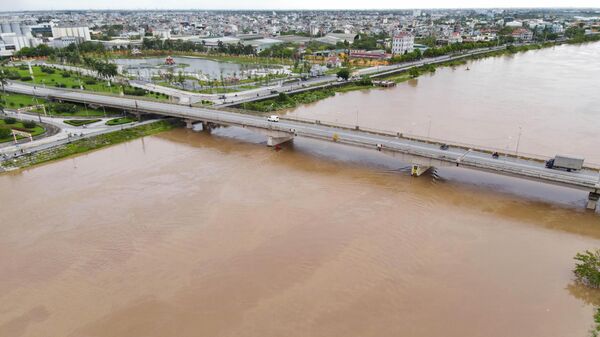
(276, 104)
(87, 144)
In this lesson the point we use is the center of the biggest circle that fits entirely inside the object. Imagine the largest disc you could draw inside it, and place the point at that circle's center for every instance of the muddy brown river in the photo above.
(195, 234)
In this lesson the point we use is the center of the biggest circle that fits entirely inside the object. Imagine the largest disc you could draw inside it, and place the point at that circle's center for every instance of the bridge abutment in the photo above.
(592, 203)
(189, 124)
(274, 141)
(418, 170)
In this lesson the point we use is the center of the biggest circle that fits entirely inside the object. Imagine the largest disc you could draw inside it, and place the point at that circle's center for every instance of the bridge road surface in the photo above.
(409, 150)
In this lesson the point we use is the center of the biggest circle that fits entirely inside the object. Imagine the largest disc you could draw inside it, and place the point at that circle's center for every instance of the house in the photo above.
(522, 34)
(402, 43)
(334, 62)
(455, 37)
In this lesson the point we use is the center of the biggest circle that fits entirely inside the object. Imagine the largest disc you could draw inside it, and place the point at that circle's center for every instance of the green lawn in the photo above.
(16, 101)
(119, 121)
(80, 122)
(35, 131)
(74, 81)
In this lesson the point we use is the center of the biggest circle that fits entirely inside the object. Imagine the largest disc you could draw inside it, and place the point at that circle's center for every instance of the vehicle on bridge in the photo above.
(273, 118)
(565, 163)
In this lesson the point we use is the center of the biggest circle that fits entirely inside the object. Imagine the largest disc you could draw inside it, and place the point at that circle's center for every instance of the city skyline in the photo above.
(29, 5)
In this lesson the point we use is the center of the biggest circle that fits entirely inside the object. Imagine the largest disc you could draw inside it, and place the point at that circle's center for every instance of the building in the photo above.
(455, 38)
(80, 33)
(335, 38)
(369, 54)
(262, 44)
(14, 36)
(522, 34)
(403, 43)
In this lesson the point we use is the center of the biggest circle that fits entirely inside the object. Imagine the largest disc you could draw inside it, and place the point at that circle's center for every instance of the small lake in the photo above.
(201, 68)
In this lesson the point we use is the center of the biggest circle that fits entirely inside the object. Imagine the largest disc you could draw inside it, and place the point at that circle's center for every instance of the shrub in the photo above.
(90, 81)
(65, 75)
(587, 270)
(63, 107)
(75, 86)
(4, 133)
(60, 85)
(48, 70)
(21, 105)
(23, 67)
(13, 75)
(29, 124)
(26, 78)
(134, 91)
(10, 120)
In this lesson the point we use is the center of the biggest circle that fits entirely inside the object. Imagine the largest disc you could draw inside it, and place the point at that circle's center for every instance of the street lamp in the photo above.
(518, 141)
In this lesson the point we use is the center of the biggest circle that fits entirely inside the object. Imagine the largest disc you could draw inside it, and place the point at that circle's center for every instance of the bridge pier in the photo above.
(274, 141)
(418, 170)
(592, 203)
(189, 124)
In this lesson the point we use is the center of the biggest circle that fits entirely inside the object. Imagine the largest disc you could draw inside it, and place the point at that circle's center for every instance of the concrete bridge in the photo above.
(422, 154)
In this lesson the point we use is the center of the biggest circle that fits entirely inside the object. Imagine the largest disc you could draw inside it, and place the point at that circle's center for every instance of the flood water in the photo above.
(552, 94)
(196, 234)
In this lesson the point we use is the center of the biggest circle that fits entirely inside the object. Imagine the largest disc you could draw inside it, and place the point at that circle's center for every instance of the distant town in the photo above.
(369, 34)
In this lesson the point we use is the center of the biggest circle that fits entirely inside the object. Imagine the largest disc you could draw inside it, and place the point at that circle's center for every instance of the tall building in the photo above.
(14, 36)
(81, 33)
(402, 43)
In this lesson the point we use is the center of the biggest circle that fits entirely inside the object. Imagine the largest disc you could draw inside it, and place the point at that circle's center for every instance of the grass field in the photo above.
(35, 131)
(71, 80)
(16, 101)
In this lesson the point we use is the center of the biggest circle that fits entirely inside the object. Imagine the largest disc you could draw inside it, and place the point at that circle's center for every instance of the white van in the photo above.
(273, 118)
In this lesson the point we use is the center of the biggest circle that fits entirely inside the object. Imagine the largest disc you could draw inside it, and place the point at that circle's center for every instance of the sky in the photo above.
(289, 4)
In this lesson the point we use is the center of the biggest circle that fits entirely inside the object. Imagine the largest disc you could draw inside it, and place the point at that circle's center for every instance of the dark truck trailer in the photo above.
(565, 162)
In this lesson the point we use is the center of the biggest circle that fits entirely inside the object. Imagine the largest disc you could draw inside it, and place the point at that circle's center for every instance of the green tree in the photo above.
(343, 73)
(587, 270)
(5, 133)
(414, 72)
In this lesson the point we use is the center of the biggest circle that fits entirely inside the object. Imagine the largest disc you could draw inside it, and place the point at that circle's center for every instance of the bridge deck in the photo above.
(422, 151)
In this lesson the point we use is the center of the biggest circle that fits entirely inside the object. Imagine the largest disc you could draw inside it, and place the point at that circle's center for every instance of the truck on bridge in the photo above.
(565, 162)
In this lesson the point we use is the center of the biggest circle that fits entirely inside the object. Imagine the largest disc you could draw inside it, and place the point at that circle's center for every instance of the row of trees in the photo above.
(188, 46)
(104, 68)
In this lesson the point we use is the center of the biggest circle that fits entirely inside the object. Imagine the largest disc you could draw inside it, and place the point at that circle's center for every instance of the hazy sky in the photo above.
(282, 4)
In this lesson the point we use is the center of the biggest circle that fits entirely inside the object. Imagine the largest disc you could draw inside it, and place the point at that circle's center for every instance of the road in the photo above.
(408, 150)
(67, 133)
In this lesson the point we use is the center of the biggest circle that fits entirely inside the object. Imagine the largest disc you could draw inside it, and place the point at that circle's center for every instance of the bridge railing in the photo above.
(431, 140)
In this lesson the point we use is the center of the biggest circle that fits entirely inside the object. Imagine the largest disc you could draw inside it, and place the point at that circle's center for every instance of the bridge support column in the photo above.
(189, 124)
(274, 141)
(593, 198)
(418, 170)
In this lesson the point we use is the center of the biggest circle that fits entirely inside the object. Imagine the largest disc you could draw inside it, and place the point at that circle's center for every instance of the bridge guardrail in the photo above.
(432, 140)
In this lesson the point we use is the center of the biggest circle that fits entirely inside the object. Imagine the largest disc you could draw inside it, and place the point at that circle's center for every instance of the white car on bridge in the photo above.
(273, 118)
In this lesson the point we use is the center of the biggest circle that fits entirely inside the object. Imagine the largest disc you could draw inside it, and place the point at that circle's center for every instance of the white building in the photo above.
(162, 33)
(81, 33)
(402, 43)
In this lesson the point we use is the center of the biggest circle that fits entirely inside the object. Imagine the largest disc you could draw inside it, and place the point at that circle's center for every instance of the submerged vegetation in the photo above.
(587, 272)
